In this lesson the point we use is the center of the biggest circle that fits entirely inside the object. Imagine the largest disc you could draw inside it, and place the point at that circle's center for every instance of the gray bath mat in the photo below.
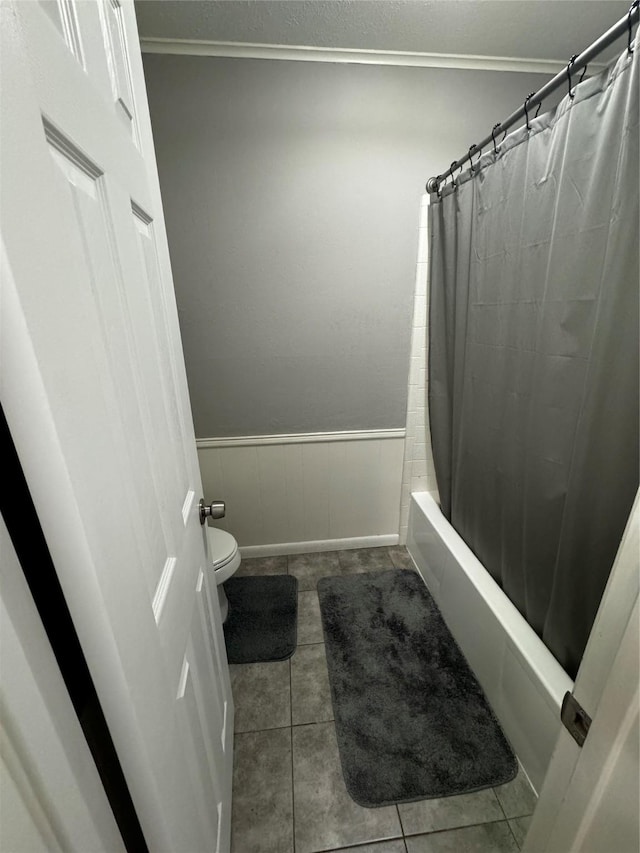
(262, 620)
(411, 719)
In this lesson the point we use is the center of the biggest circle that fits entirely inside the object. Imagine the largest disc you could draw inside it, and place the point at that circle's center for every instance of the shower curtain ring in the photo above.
(569, 64)
(454, 183)
(540, 104)
(526, 108)
(630, 25)
(472, 149)
(493, 136)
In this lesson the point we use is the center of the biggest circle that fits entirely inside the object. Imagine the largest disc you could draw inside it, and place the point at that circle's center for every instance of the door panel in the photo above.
(108, 447)
(94, 224)
(63, 15)
(117, 60)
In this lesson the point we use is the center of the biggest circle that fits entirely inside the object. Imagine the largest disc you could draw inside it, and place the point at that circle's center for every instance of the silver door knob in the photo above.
(216, 509)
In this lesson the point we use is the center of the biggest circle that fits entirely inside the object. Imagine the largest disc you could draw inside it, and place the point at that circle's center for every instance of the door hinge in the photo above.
(574, 718)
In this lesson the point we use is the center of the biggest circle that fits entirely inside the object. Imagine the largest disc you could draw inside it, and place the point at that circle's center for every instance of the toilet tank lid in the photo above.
(222, 546)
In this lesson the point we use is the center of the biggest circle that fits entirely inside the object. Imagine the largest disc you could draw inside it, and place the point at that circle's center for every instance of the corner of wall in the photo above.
(418, 472)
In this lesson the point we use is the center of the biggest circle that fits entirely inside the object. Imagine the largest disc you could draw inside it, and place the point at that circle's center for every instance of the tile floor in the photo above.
(288, 791)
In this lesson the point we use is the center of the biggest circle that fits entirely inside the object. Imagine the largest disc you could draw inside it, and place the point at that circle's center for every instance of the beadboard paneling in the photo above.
(308, 491)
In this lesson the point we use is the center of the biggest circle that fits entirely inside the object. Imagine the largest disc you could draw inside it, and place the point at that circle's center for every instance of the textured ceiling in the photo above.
(541, 29)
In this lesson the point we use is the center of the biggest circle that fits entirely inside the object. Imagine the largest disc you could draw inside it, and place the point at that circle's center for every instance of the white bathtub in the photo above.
(522, 680)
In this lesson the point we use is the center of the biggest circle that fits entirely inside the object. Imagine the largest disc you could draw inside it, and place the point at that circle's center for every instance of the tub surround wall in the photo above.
(310, 492)
(522, 680)
(418, 472)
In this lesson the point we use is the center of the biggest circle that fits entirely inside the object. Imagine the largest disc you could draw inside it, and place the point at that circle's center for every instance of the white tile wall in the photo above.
(418, 473)
(306, 491)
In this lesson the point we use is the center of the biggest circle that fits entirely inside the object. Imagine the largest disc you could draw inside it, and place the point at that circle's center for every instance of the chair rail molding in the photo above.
(300, 438)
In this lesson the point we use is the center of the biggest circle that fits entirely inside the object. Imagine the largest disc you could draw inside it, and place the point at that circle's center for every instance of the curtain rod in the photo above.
(575, 64)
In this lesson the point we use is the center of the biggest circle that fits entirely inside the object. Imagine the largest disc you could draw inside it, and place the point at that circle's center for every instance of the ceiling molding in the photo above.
(304, 53)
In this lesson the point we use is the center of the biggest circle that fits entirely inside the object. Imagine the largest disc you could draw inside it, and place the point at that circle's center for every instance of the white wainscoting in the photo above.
(309, 492)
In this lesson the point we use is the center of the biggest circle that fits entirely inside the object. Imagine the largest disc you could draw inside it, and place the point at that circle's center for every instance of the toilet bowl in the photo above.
(224, 557)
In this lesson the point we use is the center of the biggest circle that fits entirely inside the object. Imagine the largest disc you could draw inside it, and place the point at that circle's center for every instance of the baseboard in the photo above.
(319, 545)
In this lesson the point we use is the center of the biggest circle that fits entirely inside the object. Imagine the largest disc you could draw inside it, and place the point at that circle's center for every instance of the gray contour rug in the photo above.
(262, 624)
(412, 722)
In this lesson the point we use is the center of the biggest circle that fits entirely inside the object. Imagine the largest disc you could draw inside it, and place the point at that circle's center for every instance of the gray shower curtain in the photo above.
(533, 355)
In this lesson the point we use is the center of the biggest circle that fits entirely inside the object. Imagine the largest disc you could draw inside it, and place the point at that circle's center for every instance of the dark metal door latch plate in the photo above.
(574, 718)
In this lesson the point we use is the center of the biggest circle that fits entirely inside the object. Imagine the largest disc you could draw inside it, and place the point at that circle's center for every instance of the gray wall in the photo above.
(291, 194)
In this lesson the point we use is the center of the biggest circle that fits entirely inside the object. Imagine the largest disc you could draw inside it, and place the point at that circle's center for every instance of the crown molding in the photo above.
(305, 53)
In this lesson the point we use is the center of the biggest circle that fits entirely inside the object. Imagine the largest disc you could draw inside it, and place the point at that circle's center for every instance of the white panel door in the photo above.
(94, 390)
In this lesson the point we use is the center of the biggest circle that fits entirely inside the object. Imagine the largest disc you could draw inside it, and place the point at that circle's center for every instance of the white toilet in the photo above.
(224, 556)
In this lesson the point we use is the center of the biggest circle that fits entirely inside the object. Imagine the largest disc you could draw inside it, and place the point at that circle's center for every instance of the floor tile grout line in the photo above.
(513, 834)
(500, 803)
(359, 845)
(292, 726)
(293, 799)
(403, 838)
(256, 731)
(454, 828)
(319, 723)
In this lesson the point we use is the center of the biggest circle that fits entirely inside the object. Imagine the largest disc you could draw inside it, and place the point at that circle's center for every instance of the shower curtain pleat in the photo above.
(533, 354)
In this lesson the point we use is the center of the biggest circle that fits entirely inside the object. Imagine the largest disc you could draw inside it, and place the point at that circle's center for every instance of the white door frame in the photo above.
(50, 792)
(574, 811)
